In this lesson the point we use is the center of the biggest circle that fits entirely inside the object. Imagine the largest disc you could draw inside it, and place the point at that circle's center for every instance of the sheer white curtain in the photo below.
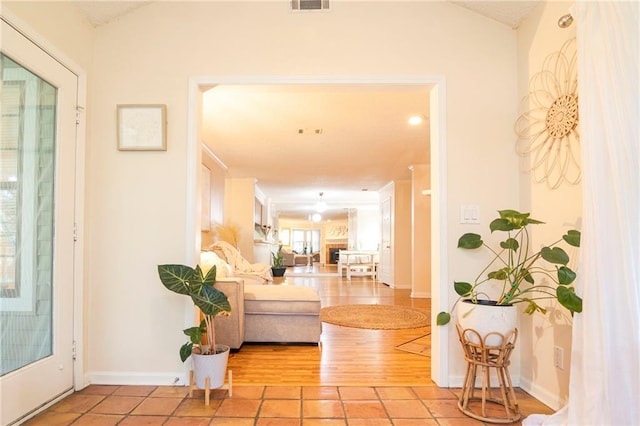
(605, 360)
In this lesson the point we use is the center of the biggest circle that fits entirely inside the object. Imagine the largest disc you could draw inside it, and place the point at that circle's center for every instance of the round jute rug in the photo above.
(376, 317)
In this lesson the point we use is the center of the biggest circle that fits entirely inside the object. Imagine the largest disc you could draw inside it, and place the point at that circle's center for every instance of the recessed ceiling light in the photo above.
(416, 120)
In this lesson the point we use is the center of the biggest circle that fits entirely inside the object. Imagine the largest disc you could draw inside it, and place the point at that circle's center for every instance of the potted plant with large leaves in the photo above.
(519, 270)
(209, 359)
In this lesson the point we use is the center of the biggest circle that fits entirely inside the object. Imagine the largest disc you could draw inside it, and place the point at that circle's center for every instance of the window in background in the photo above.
(305, 240)
(284, 236)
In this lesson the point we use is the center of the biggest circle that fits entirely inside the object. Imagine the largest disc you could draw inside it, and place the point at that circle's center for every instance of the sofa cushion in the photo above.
(280, 300)
(208, 259)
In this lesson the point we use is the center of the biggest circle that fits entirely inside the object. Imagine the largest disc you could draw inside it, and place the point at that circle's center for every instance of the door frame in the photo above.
(79, 380)
(439, 233)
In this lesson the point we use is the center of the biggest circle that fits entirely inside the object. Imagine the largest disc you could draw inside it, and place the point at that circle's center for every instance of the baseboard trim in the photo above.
(137, 378)
(549, 399)
(400, 287)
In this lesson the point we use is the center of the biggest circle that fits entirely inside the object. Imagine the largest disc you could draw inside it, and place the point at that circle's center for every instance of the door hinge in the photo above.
(73, 350)
(75, 232)
(79, 110)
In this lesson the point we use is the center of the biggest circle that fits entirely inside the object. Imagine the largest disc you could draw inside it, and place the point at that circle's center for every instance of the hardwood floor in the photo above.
(348, 356)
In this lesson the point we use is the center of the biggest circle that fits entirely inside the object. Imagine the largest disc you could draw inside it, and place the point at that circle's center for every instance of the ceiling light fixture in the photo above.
(321, 206)
(316, 217)
(416, 120)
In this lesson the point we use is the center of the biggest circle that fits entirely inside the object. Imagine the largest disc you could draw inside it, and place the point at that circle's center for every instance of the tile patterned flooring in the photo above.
(100, 405)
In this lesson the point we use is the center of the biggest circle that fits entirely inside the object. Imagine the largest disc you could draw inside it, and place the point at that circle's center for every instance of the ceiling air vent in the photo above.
(303, 5)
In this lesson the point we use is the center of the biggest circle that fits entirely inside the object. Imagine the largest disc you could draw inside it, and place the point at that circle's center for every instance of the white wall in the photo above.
(561, 209)
(217, 177)
(61, 25)
(421, 232)
(368, 223)
(137, 208)
(239, 204)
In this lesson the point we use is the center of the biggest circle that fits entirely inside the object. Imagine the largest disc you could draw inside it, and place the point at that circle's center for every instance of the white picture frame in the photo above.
(142, 127)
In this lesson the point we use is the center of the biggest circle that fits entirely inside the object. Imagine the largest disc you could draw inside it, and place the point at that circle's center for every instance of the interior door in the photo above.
(37, 190)
(386, 254)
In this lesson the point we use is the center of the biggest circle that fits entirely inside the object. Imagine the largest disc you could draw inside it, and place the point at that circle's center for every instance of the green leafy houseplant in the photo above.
(517, 265)
(212, 302)
(277, 258)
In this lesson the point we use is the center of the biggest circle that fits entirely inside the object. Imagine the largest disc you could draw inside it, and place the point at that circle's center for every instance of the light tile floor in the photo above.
(100, 405)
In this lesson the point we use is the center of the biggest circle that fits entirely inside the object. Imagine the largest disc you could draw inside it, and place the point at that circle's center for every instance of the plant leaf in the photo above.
(210, 278)
(185, 351)
(470, 241)
(517, 219)
(500, 274)
(443, 318)
(569, 299)
(211, 301)
(555, 255)
(510, 244)
(501, 225)
(531, 221)
(572, 238)
(177, 278)
(510, 213)
(565, 275)
(194, 333)
(527, 276)
(462, 288)
(532, 307)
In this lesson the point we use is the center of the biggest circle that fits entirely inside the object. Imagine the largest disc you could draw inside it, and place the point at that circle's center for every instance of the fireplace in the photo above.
(334, 255)
(333, 252)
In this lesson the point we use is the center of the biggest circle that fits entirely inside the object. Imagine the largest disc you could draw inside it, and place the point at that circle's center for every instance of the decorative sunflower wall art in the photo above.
(548, 131)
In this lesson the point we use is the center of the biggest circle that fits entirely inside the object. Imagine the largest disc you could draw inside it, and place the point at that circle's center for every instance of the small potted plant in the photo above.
(277, 263)
(209, 359)
(515, 265)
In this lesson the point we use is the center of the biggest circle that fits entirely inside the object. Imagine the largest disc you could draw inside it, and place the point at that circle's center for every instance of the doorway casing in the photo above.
(437, 99)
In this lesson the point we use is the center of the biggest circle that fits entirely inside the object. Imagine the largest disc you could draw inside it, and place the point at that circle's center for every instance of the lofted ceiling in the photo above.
(508, 12)
(298, 140)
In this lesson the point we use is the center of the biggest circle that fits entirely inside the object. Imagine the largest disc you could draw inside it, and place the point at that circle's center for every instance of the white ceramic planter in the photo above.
(212, 366)
(487, 318)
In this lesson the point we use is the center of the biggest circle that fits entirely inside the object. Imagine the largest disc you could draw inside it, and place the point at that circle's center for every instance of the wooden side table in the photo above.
(481, 357)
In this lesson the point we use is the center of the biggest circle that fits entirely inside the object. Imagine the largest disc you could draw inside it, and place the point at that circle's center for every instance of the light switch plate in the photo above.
(469, 213)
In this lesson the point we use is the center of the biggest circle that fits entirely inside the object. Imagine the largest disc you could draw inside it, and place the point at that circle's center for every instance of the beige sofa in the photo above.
(268, 313)
(261, 311)
(292, 259)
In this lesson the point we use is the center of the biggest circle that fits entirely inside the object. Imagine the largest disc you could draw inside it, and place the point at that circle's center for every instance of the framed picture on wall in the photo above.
(142, 127)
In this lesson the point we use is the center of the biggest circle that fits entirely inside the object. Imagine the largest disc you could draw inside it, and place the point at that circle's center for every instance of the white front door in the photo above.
(37, 190)
(386, 272)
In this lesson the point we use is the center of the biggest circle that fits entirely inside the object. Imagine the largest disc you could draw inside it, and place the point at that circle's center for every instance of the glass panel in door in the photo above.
(26, 223)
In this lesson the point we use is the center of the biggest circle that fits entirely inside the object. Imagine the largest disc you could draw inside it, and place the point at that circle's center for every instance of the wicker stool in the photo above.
(478, 354)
